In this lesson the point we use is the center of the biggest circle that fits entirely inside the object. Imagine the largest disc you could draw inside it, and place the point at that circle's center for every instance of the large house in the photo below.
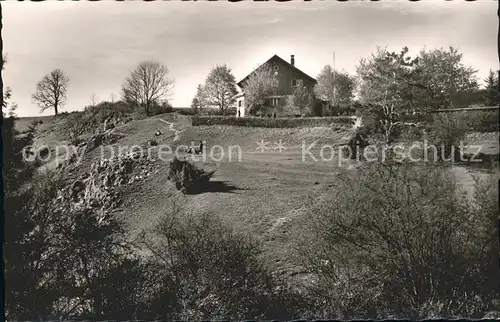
(289, 78)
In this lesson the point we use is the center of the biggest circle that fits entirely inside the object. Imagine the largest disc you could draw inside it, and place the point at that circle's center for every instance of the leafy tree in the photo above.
(335, 87)
(147, 84)
(395, 83)
(220, 87)
(492, 96)
(387, 76)
(261, 84)
(302, 98)
(51, 91)
(386, 87)
(199, 100)
(7, 105)
(441, 75)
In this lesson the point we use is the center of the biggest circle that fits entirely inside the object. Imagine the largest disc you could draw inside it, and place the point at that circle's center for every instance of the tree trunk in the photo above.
(55, 108)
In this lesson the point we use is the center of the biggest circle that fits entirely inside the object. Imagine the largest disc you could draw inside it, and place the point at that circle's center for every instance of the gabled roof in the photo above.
(240, 83)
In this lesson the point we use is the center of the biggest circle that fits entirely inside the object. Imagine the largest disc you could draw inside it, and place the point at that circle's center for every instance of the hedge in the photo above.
(482, 121)
(476, 120)
(272, 122)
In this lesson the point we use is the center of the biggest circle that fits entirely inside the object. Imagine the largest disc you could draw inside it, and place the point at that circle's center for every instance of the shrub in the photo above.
(447, 131)
(398, 240)
(185, 111)
(374, 118)
(316, 109)
(482, 121)
(273, 122)
(356, 146)
(92, 119)
(15, 147)
(187, 177)
(34, 123)
(62, 257)
(210, 271)
(162, 108)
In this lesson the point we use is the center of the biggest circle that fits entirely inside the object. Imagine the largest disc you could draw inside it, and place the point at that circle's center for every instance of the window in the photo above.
(239, 103)
(276, 68)
(297, 82)
(275, 101)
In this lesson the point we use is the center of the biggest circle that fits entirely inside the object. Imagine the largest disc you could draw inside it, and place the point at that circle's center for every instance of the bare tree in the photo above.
(390, 118)
(93, 100)
(147, 85)
(51, 91)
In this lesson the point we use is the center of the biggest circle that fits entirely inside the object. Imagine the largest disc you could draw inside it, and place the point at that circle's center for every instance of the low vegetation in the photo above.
(208, 271)
(482, 121)
(187, 177)
(273, 122)
(447, 132)
(388, 240)
(397, 240)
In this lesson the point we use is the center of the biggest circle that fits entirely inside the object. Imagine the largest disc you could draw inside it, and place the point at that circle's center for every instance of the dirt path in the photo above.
(171, 128)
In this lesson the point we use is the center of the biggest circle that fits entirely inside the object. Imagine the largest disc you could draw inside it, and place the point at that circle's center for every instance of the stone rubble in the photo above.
(97, 188)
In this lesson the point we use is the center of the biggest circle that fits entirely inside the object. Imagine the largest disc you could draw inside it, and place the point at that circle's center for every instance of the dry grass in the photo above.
(263, 194)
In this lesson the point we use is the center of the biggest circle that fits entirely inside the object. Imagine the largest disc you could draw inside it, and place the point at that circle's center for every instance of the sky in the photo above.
(97, 44)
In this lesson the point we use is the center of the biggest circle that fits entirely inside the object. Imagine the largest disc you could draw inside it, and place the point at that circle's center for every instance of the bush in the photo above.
(184, 111)
(211, 272)
(34, 123)
(273, 122)
(398, 240)
(356, 146)
(447, 132)
(62, 257)
(316, 109)
(482, 121)
(230, 111)
(92, 119)
(162, 108)
(187, 178)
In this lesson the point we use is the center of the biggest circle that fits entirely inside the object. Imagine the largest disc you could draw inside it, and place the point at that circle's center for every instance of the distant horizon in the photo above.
(98, 43)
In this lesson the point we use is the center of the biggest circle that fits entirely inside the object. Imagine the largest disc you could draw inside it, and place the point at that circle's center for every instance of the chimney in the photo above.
(292, 60)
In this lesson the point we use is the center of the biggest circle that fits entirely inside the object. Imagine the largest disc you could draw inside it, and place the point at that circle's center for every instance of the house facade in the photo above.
(289, 78)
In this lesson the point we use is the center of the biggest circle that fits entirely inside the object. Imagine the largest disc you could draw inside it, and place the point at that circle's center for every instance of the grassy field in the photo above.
(261, 193)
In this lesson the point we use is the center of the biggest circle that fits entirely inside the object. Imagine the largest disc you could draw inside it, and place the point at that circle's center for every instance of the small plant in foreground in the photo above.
(187, 177)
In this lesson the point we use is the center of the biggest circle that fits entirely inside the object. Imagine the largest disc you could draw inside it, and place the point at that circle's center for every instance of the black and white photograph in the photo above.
(250, 160)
